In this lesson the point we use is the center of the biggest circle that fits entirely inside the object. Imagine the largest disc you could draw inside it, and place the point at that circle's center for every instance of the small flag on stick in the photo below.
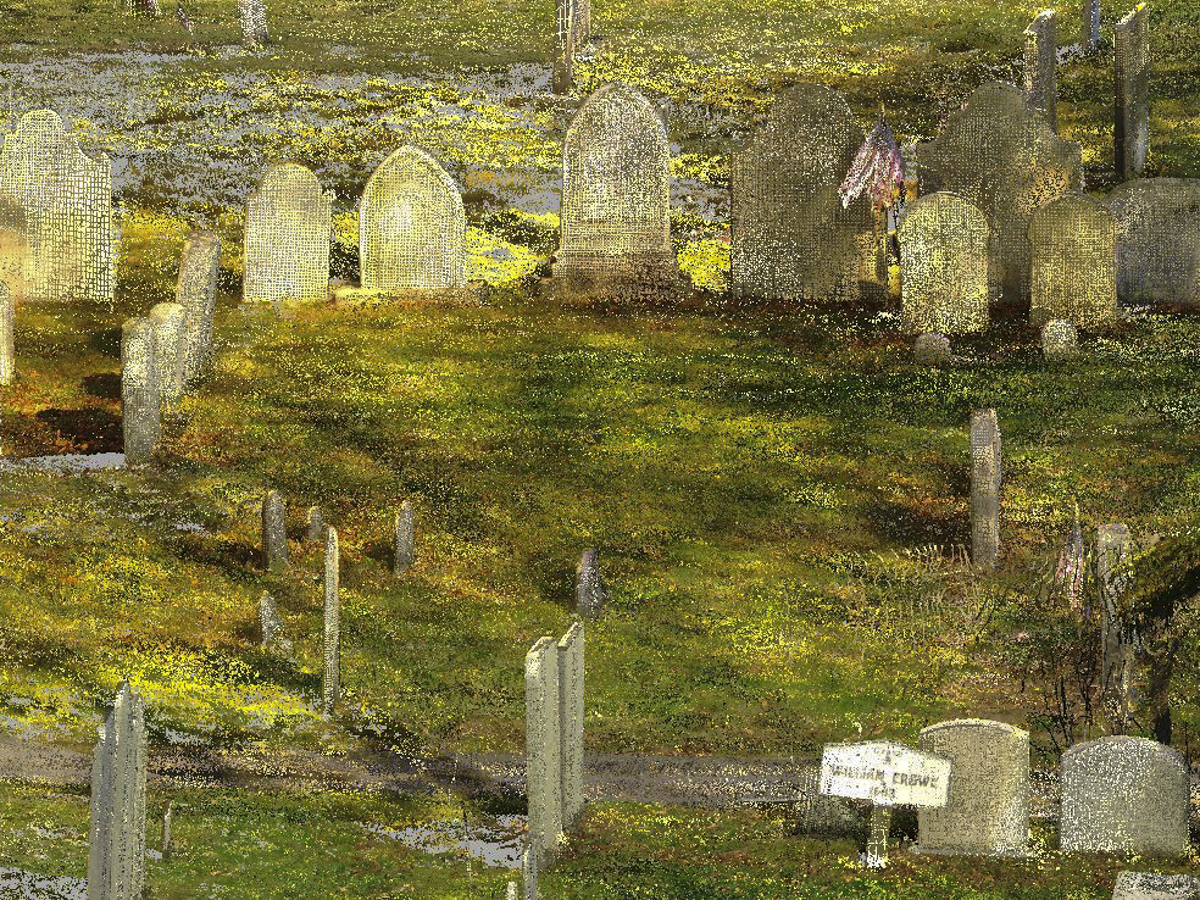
(876, 168)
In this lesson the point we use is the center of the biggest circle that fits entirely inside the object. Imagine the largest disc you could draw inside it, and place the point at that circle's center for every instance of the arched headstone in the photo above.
(288, 223)
(65, 201)
(790, 235)
(1073, 263)
(1158, 240)
(988, 809)
(1124, 793)
(1007, 160)
(411, 228)
(615, 211)
(943, 265)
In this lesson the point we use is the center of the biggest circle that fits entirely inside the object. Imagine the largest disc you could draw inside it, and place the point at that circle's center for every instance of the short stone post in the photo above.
(117, 829)
(1041, 61)
(985, 488)
(1120, 640)
(529, 868)
(332, 686)
(166, 837)
(196, 292)
(570, 717)
(931, 349)
(273, 640)
(274, 534)
(404, 538)
(316, 525)
(510, 892)
(8, 358)
(590, 595)
(139, 390)
(168, 319)
(254, 22)
(542, 744)
(1060, 339)
(1131, 62)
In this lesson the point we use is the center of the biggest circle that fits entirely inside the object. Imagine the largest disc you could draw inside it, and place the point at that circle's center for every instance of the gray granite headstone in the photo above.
(196, 292)
(404, 538)
(590, 594)
(1122, 793)
(1155, 886)
(543, 743)
(315, 529)
(1131, 135)
(1158, 240)
(1041, 58)
(332, 685)
(139, 390)
(168, 319)
(117, 829)
(274, 533)
(985, 488)
(1073, 262)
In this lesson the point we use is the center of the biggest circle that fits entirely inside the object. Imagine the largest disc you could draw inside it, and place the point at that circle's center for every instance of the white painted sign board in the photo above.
(886, 773)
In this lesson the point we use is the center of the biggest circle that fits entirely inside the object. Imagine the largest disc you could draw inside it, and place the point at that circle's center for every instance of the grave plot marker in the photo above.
(1131, 68)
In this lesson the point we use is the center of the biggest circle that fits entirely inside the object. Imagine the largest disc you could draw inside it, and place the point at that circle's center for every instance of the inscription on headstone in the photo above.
(287, 237)
(1158, 240)
(1073, 259)
(943, 266)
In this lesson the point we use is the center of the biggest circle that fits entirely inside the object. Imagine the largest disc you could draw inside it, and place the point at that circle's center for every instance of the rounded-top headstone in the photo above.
(1059, 338)
(987, 812)
(1124, 793)
(931, 349)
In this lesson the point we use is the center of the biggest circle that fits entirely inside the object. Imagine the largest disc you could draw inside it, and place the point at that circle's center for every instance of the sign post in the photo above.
(887, 774)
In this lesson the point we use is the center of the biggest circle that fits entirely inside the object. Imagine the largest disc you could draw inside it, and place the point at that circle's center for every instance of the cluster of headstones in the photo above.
(163, 353)
(276, 559)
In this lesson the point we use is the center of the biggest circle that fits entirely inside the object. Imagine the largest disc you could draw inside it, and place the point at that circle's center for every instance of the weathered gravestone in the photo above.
(65, 201)
(1059, 339)
(168, 320)
(274, 534)
(817, 813)
(931, 349)
(570, 721)
(1124, 793)
(146, 7)
(404, 538)
(1131, 136)
(1154, 886)
(196, 292)
(166, 834)
(254, 21)
(1073, 262)
(411, 227)
(273, 640)
(117, 829)
(985, 488)
(8, 357)
(987, 811)
(1118, 657)
(887, 774)
(140, 421)
(14, 248)
(1007, 160)
(590, 594)
(943, 265)
(543, 744)
(288, 221)
(790, 236)
(1090, 38)
(562, 78)
(573, 19)
(331, 686)
(1158, 240)
(615, 208)
(529, 869)
(315, 529)
(1041, 60)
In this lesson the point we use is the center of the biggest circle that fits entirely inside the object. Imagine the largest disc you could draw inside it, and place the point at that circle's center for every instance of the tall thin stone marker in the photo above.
(316, 525)
(274, 535)
(8, 359)
(570, 718)
(404, 538)
(529, 868)
(542, 746)
(1131, 68)
(332, 687)
(1120, 641)
(139, 390)
(1091, 25)
(169, 351)
(1041, 61)
(985, 488)
(196, 292)
(254, 22)
(117, 829)
(510, 892)
(166, 837)
(590, 594)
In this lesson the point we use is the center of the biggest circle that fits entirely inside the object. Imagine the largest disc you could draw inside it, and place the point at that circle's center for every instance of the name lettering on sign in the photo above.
(886, 773)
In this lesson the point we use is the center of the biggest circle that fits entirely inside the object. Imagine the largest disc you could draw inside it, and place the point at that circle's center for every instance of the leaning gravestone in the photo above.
(570, 721)
(1007, 160)
(1073, 263)
(1041, 60)
(543, 744)
(117, 830)
(196, 292)
(1131, 136)
(985, 488)
(140, 421)
(274, 535)
(615, 209)
(404, 538)
(1158, 240)
(1123, 793)
(931, 349)
(987, 811)
(331, 687)
(943, 266)
(168, 319)
(254, 21)
(411, 227)
(1154, 886)
(65, 200)
(288, 222)
(590, 594)
(8, 357)
(1059, 339)
(790, 236)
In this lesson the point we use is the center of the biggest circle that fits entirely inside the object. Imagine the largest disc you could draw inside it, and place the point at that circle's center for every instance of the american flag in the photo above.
(183, 17)
(876, 168)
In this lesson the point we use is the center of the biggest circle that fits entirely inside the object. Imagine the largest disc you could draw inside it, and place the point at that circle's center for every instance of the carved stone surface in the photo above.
(1059, 339)
(274, 535)
(1153, 886)
(570, 718)
(8, 357)
(288, 222)
(590, 594)
(1131, 61)
(985, 488)
(169, 351)
(117, 830)
(196, 292)
(1073, 263)
(943, 266)
(404, 538)
(140, 401)
(1158, 240)
(331, 686)
(931, 349)
(543, 742)
(1041, 63)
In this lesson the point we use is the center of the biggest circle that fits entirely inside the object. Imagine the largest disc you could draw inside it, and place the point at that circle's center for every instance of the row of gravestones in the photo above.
(1119, 794)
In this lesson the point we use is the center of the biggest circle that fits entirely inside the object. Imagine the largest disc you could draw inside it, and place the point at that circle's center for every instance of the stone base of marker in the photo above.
(599, 274)
(1060, 339)
(1153, 886)
(931, 350)
(471, 294)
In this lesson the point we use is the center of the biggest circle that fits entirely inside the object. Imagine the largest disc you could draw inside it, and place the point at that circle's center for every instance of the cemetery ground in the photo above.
(751, 474)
